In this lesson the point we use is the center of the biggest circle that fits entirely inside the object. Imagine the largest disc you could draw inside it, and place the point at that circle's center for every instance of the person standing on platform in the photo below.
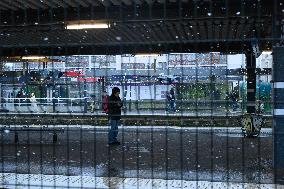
(168, 101)
(18, 99)
(114, 114)
(234, 98)
(173, 100)
(33, 103)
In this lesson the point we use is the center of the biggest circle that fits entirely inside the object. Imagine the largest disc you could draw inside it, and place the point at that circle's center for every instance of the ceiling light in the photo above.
(86, 24)
(143, 55)
(33, 57)
(266, 52)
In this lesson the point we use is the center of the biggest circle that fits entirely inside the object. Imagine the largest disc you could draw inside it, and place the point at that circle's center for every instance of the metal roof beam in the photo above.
(241, 31)
(92, 2)
(162, 28)
(127, 2)
(116, 2)
(169, 28)
(61, 4)
(70, 3)
(150, 1)
(11, 4)
(139, 2)
(82, 3)
(39, 4)
(27, 4)
(188, 31)
(105, 3)
(131, 31)
(96, 38)
(48, 3)
(225, 26)
(6, 5)
(180, 31)
(161, 1)
(122, 33)
(232, 29)
(153, 32)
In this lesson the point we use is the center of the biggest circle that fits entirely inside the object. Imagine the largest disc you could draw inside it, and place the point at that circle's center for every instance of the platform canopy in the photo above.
(33, 27)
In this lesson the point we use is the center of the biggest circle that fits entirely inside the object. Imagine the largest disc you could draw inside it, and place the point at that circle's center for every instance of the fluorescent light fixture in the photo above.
(143, 55)
(266, 52)
(33, 57)
(86, 24)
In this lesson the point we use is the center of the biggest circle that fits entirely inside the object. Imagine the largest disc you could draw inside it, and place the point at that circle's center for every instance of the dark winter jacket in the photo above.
(115, 105)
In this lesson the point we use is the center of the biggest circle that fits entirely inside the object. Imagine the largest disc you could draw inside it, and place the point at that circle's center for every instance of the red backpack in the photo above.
(106, 104)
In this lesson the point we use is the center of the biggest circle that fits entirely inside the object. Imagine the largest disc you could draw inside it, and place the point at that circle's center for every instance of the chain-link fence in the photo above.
(141, 94)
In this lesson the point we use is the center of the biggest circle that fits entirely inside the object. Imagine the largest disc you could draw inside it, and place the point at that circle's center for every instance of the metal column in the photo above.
(85, 96)
(251, 82)
(278, 113)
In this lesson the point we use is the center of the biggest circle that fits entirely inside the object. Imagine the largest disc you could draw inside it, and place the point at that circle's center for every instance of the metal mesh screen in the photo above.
(195, 89)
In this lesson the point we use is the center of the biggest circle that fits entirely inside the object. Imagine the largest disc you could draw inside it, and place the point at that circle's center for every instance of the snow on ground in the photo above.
(33, 181)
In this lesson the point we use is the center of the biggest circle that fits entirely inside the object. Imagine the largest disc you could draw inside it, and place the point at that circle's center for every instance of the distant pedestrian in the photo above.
(168, 101)
(93, 103)
(19, 94)
(33, 103)
(234, 99)
(173, 100)
(217, 94)
(114, 113)
(18, 99)
(260, 107)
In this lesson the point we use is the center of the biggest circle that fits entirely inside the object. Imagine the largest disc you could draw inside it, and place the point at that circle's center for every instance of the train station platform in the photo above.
(158, 118)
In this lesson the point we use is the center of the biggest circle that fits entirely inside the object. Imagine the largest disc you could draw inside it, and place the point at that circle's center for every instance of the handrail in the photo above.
(43, 101)
(46, 98)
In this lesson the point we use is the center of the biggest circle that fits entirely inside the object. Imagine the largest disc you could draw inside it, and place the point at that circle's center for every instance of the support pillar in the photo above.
(251, 123)
(103, 89)
(251, 82)
(278, 113)
(85, 96)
